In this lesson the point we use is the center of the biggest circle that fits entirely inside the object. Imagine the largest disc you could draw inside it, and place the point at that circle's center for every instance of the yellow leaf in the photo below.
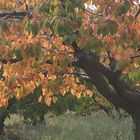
(73, 92)
(40, 99)
(63, 91)
(78, 95)
(54, 99)
(52, 77)
(136, 65)
(32, 85)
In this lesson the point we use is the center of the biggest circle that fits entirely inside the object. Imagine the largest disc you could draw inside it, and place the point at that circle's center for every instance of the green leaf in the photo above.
(1, 39)
(88, 31)
(62, 28)
(31, 26)
(106, 46)
(64, 63)
(124, 36)
(93, 43)
(136, 75)
(58, 28)
(29, 51)
(18, 53)
(37, 51)
(121, 64)
(3, 25)
(112, 27)
(7, 43)
(67, 29)
(109, 28)
(71, 4)
(67, 40)
(11, 53)
(44, 8)
(123, 9)
(45, 24)
(102, 31)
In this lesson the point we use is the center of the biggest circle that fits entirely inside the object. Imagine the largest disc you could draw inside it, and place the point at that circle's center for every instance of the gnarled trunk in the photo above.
(136, 119)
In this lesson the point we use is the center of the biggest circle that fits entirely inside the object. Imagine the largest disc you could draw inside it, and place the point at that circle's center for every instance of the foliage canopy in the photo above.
(37, 45)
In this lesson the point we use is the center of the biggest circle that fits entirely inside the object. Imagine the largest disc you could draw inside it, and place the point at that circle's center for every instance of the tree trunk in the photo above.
(3, 116)
(136, 120)
(4, 113)
(2, 125)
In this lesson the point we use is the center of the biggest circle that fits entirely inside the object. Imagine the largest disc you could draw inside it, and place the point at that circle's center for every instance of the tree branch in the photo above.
(134, 56)
(103, 86)
(11, 60)
(99, 74)
(94, 58)
(137, 14)
(92, 67)
(12, 14)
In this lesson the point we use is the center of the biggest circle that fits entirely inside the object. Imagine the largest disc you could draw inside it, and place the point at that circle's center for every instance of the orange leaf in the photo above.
(73, 92)
(89, 92)
(48, 100)
(18, 96)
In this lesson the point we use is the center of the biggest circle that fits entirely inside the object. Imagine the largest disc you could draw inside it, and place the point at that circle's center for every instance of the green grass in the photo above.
(71, 127)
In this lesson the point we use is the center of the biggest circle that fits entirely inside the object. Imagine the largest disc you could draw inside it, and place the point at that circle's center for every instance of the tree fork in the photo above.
(103, 83)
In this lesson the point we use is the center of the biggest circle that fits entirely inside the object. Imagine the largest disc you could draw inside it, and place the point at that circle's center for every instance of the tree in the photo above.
(58, 44)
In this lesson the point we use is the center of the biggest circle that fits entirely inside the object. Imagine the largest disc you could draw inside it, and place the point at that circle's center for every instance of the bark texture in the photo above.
(136, 120)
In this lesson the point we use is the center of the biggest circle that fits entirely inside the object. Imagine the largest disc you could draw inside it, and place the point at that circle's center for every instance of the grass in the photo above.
(71, 127)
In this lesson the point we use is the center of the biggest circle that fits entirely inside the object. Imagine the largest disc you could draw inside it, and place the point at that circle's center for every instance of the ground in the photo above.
(71, 127)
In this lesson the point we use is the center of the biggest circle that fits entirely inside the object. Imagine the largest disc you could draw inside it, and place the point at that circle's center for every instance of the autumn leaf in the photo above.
(48, 100)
